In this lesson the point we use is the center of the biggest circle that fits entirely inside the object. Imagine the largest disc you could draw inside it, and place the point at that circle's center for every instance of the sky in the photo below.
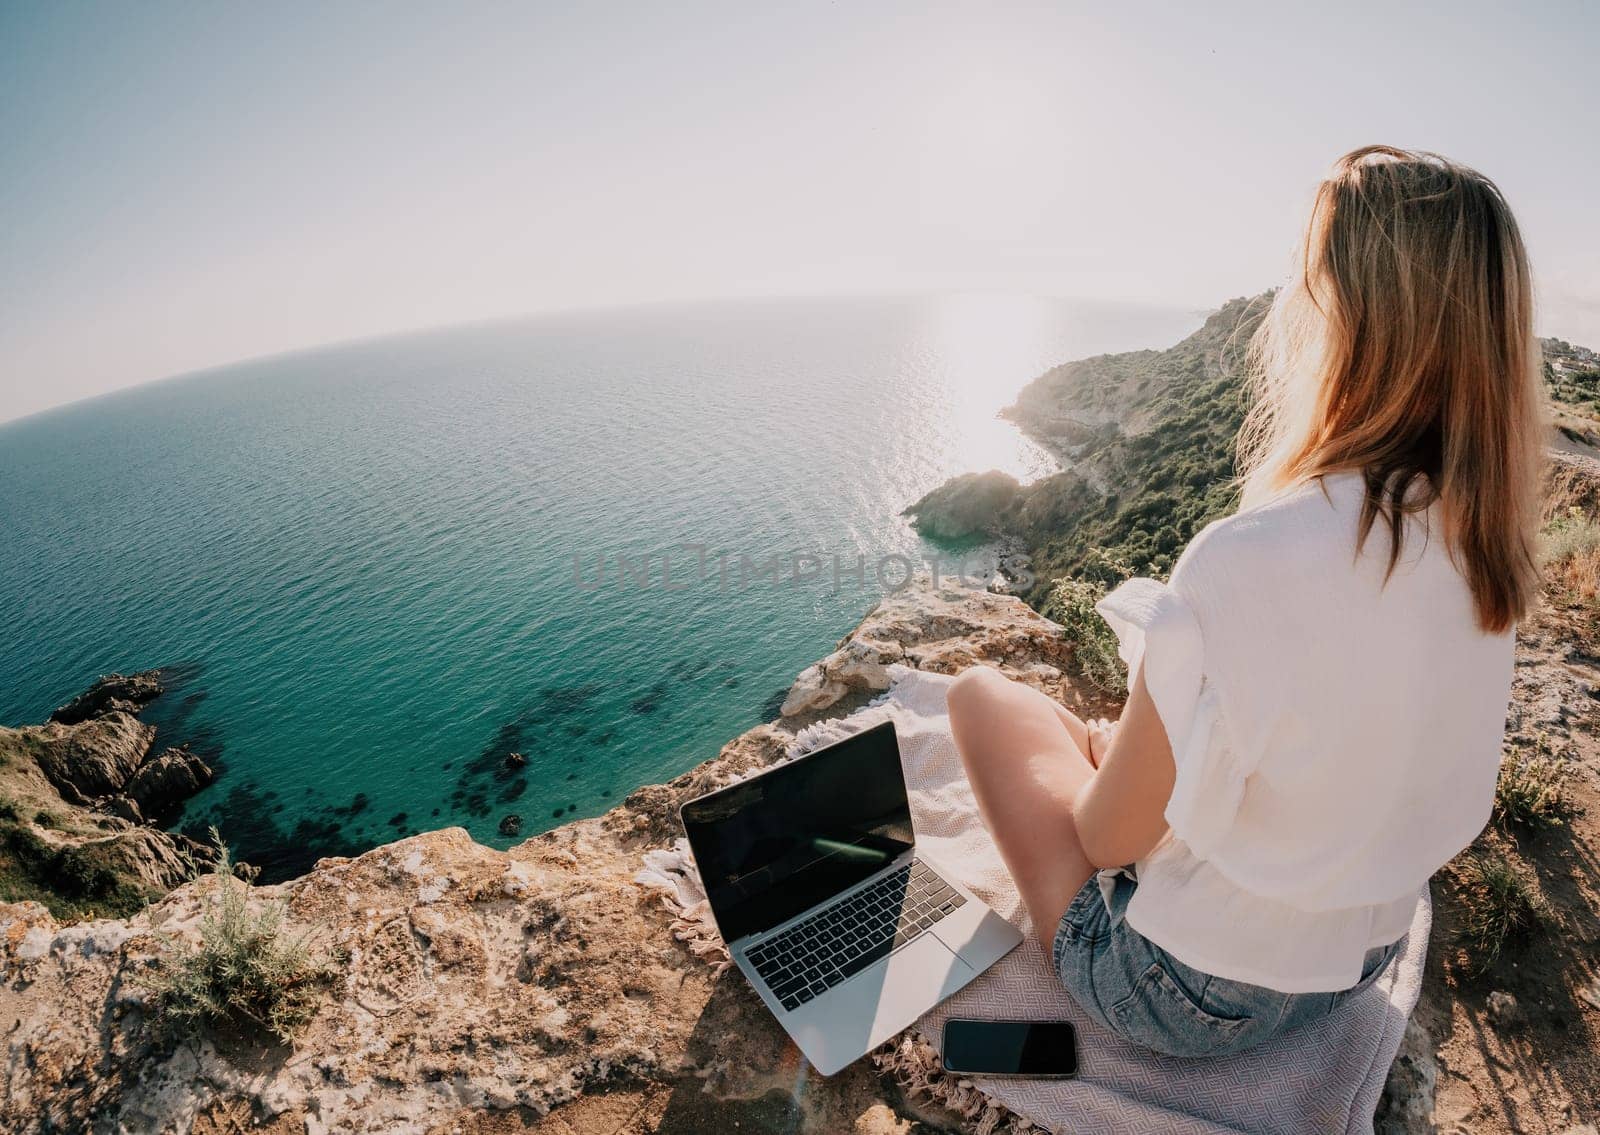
(185, 185)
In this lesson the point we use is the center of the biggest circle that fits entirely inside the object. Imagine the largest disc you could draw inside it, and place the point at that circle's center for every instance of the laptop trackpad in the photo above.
(877, 1003)
(920, 976)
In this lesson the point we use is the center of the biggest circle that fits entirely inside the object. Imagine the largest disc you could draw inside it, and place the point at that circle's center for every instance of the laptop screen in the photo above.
(773, 846)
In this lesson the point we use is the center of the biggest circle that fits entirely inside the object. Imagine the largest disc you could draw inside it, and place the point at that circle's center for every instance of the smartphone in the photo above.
(1038, 1049)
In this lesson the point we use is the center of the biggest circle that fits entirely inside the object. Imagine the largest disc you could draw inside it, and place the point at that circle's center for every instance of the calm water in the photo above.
(359, 562)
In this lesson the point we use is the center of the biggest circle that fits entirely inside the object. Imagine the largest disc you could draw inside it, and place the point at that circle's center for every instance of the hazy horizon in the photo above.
(688, 304)
(187, 188)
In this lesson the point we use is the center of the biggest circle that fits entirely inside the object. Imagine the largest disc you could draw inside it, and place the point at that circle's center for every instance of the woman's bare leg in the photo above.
(1026, 769)
(1077, 728)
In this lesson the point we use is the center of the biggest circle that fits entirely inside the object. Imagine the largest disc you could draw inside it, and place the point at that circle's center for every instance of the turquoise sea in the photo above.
(358, 563)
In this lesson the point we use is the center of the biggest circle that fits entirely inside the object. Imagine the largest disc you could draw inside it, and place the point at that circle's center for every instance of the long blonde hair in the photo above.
(1403, 348)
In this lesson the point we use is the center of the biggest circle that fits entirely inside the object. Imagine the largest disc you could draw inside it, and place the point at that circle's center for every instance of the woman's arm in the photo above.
(1120, 814)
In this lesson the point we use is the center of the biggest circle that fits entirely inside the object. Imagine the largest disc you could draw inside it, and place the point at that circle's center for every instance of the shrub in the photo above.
(1570, 548)
(73, 880)
(1497, 906)
(1070, 602)
(1172, 480)
(1531, 791)
(248, 969)
(82, 872)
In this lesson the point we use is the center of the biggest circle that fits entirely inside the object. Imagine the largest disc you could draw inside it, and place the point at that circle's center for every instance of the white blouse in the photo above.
(1336, 737)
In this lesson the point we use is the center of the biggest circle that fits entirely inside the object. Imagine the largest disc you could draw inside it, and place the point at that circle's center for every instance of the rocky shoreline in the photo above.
(82, 798)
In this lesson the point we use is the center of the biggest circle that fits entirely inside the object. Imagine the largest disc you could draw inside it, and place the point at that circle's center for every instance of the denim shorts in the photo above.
(1142, 993)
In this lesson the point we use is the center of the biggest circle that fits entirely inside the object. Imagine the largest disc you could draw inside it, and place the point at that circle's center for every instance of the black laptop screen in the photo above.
(774, 845)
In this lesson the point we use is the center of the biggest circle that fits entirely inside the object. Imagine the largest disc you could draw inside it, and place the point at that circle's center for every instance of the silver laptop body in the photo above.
(843, 926)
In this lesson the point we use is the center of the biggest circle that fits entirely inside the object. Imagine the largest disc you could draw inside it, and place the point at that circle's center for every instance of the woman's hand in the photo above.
(1101, 731)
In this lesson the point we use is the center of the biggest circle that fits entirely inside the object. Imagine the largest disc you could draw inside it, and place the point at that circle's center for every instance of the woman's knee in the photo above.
(975, 702)
(977, 682)
(974, 689)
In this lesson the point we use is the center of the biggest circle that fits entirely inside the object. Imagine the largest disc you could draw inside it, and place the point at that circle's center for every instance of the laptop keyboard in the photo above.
(845, 938)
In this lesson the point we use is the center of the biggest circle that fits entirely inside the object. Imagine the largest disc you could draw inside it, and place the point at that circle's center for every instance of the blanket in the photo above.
(1318, 1080)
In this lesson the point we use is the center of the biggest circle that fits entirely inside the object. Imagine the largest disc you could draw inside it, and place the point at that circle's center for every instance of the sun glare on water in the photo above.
(987, 347)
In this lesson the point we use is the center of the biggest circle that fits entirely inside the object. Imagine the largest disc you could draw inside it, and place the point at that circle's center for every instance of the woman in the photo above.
(1317, 698)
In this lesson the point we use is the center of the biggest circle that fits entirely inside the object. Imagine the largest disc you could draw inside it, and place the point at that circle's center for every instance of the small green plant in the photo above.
(248, 970)
(44, 819)
(1531, 791)
(1070, 602)
(1498, 906)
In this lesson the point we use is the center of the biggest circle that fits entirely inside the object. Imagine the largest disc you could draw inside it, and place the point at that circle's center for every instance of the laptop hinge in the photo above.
(894, 864)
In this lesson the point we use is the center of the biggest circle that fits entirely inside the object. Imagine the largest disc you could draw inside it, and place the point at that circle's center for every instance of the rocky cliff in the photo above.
(538, 989)
(78, 797)
(1145, 440)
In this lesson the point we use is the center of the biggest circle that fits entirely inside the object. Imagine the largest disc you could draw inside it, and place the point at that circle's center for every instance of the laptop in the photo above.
(845, 928)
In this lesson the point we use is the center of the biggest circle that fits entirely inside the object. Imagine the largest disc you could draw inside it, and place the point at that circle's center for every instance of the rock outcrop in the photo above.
(97, 752)
(126, 692)
(989, 506)
(944, 630)
(162, 783)
(75, 795)
(94, 757)
(973, 506)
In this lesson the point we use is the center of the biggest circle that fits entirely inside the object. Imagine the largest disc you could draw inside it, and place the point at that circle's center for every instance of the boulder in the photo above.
(813, 689)
(1406, 1106)
(162, 783)
(124, 809)
(1504, 1012)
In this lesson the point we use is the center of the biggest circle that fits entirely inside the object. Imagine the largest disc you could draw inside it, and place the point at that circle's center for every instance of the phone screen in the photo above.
(1011, 1048)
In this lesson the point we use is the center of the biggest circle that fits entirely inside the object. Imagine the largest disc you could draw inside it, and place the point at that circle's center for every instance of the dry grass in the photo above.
(1570, 548)
(1532, 789)
(1498, 906)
